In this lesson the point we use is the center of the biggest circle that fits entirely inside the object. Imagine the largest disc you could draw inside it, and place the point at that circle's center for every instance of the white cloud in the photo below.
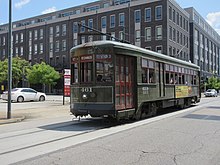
(21, 3)
(49, 10)
(214, 20)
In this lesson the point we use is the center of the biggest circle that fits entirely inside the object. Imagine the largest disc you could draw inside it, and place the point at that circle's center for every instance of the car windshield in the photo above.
(210, 90)
(14, 89)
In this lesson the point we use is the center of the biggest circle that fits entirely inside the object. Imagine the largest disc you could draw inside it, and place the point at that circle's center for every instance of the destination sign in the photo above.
(103, 56)
(86, 58)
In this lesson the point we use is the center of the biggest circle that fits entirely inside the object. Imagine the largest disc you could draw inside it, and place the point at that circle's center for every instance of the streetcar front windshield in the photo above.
(104, 71)
(87, 70)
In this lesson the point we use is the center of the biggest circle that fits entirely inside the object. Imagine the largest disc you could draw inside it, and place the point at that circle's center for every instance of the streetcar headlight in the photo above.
(84, 96)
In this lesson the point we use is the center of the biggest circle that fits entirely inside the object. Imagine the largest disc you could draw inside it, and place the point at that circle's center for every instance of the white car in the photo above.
(211, 93)
(24, 94)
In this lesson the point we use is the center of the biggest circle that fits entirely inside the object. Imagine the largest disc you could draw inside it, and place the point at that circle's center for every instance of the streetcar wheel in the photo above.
(153, 110)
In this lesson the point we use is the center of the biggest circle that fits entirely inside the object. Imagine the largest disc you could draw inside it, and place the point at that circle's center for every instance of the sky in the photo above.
(22, 9)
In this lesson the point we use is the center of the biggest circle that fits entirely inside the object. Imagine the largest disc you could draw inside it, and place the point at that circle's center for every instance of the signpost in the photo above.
(66, 84)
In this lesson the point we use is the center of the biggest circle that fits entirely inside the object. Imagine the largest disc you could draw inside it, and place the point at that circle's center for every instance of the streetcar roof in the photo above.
(134, 48)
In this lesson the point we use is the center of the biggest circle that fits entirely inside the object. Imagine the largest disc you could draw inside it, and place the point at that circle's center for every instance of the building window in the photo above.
(159, 49)
(103, 37)
(90, 38)
(63, 29)
(51, 31)
(30, 50)
(41, 48)
(174, 15)
(82, 29)
(57, 30)
(64, 45)
(174, 51)
(177, 37)
(148, 34)
(137, 16)
(121, 35)
(103, 22)
(148, 47)
(174, 35)
(181, 21)
(170, 33)
(30, 35)
(196, 35)
(158, 32)
(121, 19)
(83, 39)
(112, 21)
(170, 12)
(56, 60)
(57, 46)
(137, 35)
(75, 27)
(35, 34)
(105, 5)
(90, 24)
(51, 46)
(3, 52)
(147, 14)
(78, 11)
(113, 36)
(3, 41)
(177, 18)
(21, 51)
(16, 51)
(22, 37)
(41, 34)
(75, 42)
(158, 13)
(35, 48)
(16, 38)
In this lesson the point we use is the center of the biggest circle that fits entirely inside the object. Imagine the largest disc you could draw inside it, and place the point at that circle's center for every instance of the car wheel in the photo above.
(42, 98)
(20, 99)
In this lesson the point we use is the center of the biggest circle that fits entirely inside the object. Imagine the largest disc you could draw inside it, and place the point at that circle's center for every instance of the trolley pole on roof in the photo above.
(9, 61)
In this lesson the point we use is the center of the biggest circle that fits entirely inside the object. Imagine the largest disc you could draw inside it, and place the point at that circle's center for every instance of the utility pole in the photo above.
(9, 61)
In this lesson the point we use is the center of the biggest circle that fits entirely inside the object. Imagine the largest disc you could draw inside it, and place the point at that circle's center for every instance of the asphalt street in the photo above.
(190, 136)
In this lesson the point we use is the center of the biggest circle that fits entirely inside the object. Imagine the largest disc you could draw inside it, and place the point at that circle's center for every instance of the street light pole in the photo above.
(9, 61)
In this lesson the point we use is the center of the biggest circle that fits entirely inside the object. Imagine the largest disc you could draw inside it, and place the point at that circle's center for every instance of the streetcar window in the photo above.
(75, 73)
(167, 78)
(151, 76)
(86, 72)
(104, 71)
(149, 72)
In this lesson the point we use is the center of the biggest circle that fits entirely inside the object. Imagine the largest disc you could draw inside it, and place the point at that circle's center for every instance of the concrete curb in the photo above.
(14, 119)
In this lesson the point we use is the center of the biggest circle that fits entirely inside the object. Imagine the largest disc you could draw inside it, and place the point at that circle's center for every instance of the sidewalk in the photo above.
(55, 110)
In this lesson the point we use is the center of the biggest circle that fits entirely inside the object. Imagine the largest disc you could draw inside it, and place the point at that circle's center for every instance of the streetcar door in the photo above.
(124, 82)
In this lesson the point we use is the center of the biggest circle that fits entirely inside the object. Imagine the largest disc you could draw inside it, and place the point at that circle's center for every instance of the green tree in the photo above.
(3, 71)
(18, 66)
(42, 74)
(213, 83)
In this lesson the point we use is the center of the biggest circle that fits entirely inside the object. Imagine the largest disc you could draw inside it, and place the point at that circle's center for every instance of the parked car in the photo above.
(24, 94)
(211, 93)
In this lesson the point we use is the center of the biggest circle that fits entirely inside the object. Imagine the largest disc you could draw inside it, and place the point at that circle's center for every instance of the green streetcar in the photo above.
(123, 81)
